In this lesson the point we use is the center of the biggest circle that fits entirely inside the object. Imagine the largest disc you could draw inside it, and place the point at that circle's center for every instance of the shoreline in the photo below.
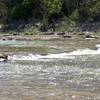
(43, 37)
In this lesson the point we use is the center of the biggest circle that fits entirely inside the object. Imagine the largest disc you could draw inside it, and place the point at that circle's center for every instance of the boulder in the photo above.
(60, 33)
(3, 57)
(3, 39)
(67, 36)
(88, 34)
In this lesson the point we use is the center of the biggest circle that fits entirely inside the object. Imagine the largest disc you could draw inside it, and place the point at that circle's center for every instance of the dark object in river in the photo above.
(10, 38)
(88, 36)
(3, 57)
(3, 39)
(17, 33)
(67, 36)
(60, 33)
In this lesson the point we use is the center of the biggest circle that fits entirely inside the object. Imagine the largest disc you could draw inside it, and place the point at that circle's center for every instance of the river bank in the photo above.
(49, 36)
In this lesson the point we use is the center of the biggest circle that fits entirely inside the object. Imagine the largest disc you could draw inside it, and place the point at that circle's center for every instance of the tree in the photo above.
(3, 11)
(22, 9)
(95, 10)
(50, 7)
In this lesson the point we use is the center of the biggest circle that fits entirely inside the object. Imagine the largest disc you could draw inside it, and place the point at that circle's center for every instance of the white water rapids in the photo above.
(70, 55)
(63, 76)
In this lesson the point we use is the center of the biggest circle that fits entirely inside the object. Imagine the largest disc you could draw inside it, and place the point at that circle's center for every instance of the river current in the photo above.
(73, 75)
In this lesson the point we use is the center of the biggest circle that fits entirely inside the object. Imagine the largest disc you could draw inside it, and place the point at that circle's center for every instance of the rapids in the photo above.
(73, 75)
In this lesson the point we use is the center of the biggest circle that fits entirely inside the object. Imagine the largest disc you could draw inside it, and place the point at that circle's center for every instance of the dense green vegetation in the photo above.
(49, 10)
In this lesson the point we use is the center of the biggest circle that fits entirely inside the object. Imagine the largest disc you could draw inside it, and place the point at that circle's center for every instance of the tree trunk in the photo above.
(45, 22)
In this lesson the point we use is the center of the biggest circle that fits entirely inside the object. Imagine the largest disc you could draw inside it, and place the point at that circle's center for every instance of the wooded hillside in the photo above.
(49, 10)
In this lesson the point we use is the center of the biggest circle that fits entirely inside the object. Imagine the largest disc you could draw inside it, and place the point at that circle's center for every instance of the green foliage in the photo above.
(28, 33)
(3, 12)
(52, 6)
(75, 15)
(69, 25)
(22, 9)
(31, 31)
(76, 10)
(95, 10)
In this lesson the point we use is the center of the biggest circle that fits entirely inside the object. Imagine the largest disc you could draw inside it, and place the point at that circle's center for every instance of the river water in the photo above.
(51, 73)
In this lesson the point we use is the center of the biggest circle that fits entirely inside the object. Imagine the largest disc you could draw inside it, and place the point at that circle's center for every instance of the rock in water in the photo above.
(3, 57)
(88, 34)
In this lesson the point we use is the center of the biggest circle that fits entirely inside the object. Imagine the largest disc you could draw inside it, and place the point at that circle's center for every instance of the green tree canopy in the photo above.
(79, 10)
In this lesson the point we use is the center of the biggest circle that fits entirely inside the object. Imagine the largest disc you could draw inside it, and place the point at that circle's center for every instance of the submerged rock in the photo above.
(3, 57)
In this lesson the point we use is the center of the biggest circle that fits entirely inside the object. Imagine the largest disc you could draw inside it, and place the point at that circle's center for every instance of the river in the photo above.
(50, 70)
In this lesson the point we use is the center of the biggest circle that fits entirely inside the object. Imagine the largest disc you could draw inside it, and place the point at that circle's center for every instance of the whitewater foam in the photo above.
(70, 55)
(40, 57)
(85, 52)
(2, 59)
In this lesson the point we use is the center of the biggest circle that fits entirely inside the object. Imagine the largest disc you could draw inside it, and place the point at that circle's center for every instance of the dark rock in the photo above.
(88, 36)
(4, 39)
(92, 36)
(3, 57)
(15, 34)
(10, 38)
(60, 33)
(67, 36)
(43, 28)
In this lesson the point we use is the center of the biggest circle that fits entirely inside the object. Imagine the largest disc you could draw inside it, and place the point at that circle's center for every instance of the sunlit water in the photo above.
(62, 76)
